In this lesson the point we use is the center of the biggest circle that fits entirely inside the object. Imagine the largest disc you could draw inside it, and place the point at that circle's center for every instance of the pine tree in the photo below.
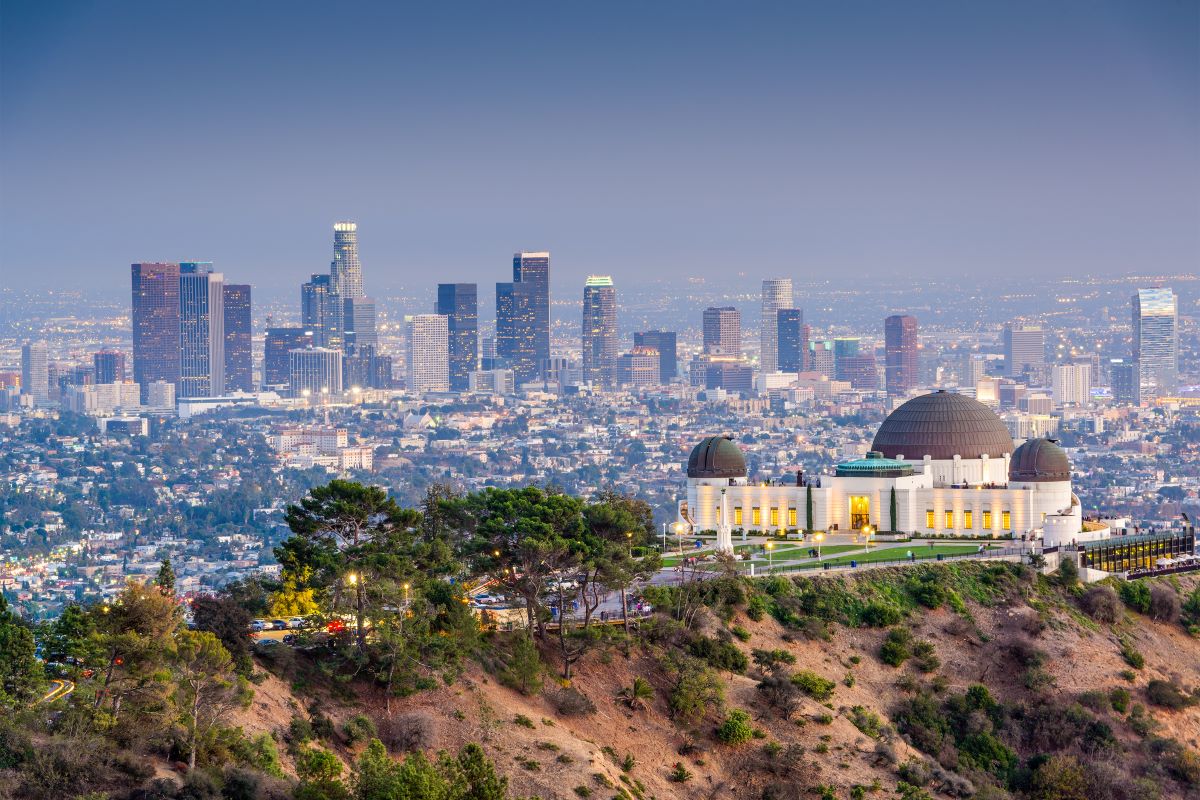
(808, 508)
(166, 577)
(895, 527)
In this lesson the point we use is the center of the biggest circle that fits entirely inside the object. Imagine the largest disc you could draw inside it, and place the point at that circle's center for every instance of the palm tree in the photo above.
(636, 695)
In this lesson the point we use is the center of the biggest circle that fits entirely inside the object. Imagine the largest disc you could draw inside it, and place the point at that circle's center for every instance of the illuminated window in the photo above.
(987, 519)
(968, 519)
(860, 511)
(737, 515)
(774, 516)
(756, 516)
(1006, 520)
(791, 517)
(930, 519)
(949, 519)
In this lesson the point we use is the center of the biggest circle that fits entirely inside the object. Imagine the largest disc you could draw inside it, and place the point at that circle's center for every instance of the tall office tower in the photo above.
(861, 370)
(776, 294)
(534, 269)
(323, 312)
(729, 375)
(109, 366)
(239, 356)
(487, 353)
(459, 304)
(792, 342)
(155, 325)
(359, 324)
(315, 372)
(972, 370)
(844, 350)
(664, 342)
(639, 367)
(428, 353)
(600, 331)
(277, 359)
(201, 330)
(345, 270)
(821, 358)
(35, 372)
(1155, 342)
(1123, 380)
(515, 319)
(723, 331)
(1024, 349)
(900, 354)
(1072, 384)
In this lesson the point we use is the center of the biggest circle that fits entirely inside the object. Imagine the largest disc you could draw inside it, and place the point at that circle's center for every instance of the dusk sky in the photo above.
(642, 139)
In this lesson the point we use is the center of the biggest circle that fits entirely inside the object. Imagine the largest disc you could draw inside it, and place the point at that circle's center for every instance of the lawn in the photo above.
(898, 554)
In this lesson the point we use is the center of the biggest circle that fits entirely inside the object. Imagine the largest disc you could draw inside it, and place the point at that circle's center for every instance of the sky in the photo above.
(646, 140)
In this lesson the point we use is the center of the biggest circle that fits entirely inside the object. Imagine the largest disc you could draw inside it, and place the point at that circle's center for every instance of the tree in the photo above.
(22, 678)
(808, 508)
(637, 694)
(229, 622)
(523, 671)
(166, 577)
(135, 635)
(892, 510)
(206, 688)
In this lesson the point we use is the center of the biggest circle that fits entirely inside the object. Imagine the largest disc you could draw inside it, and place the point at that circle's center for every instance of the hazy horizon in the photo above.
(649, 142)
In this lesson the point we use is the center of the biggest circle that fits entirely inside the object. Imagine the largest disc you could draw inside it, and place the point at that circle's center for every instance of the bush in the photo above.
(300, 731)
(770, 660)
(926, 657)
(780, 692)
(878, 614)
(571, 702)
(736, 729)
(1119, 698)
(928, 591)
(814, 685)
(867, 721)
(1101, 604)
(1136, 595)
(741, 633)
(895, 649)
(1167, 695)
(359, 728)
(695, 690)
(1068, 573)
(409, 732)
(1164, 603)
(679, 774)
(1131, 655)
(719, 655)
(1059, 778)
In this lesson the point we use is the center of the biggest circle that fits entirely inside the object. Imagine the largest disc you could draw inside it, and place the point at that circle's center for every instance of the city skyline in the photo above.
(1019, 142)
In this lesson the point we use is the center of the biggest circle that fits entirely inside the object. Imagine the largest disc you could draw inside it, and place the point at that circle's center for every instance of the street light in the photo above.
(866, 532)
(818, 537)
(629, 539)
(406, 594)
(352, 579)
(679, 535)
(770, 553)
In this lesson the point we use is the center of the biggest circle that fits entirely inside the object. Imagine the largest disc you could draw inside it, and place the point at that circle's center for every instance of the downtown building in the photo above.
(239, 353)
(201, 331)
(428, 362)
(1024, 350)
(35, 372)
(315, 372)
(523, 315)
(1155, 342)
(901, 366)
(156, 330)
(776, 295)
(459, 304)
(664, 343)
(792, 337)
(600, 331)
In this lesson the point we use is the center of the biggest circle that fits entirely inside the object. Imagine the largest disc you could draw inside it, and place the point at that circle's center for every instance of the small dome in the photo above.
(1039, 460)
(943, 425)
(716, 457)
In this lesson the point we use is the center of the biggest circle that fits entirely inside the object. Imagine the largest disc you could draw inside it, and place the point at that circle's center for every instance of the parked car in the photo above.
(290, 639)
(258, 626)
(279, 625)
(267, 642)
(297, 622)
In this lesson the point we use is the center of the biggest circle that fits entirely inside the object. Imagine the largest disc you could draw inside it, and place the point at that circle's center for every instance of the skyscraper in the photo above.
(428, 361)
(360, 332)
(600, 331)
(791, 343)
(201, 331)
(35, 372)
(665, 343)
(639, 367)
(900, 354)
(459, 304)
(277, 359)
(1155, 342)
(155, 325)
(109, 366)
(776, 294)
(1072, 384)
(239, 357)
(345, 270)
(1024, 349)
(322, 311)
(723, 331)
(315, 372)
(534, 269)
(515, 318)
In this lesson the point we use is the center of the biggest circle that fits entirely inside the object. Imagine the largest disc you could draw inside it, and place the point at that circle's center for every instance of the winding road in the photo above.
(58, 690)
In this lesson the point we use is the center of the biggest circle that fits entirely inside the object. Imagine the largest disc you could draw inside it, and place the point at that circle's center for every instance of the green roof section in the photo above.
(875, 465)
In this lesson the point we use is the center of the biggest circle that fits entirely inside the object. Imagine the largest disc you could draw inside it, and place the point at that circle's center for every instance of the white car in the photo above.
(297, 622)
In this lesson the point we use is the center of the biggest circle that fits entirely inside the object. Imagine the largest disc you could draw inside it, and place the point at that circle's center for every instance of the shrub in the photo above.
(523, 666)
(694, 691)
(814, 685)
(1182, 764)
(895, 649)
(1167, 695)
(1119, 698)
(408, 732)
(637, 694)
(928, 591)
(679, 774)
(1131, 655)
(719, 655)
(300, 730)
(523, 721)
(570, 702)
(736, 729)
(1068, 573)
(780, 692)
(1136, 595)
(741, 633)
(1101, 604)
(1164, 603)
(926, 657)
(867, 721)
(359, 728)
(878, 614)
(770, 660)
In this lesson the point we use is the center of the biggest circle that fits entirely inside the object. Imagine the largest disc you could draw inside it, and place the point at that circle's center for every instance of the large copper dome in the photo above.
(716, 457)
(1039, 460)
(942, 425)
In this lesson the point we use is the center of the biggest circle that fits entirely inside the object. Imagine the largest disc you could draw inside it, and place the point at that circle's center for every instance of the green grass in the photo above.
(897, 553)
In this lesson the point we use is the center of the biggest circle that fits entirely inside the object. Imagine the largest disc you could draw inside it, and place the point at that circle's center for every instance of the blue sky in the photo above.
(641, 139)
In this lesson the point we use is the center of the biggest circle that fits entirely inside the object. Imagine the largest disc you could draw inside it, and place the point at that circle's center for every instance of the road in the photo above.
(58, 690)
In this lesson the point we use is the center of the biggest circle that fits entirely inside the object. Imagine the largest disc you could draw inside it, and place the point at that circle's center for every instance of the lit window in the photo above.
(949, 519)
(968, 519)
(1006, 520)
(718, 515)
(791, 517)
(774, 516)
(737, 515)
(756, 516)
(987, 519)
(930, 519)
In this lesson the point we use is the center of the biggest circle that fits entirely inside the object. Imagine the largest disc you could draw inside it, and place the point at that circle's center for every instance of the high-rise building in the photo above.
(277, 359)
(315, 372)
(973, 369)
(459, 304)
(776, 294)
(1072, 384)
(1156, 342)
(900, 354)
(156, 342)
(534, 269)
(664, 342)
(515, 320)
(730, 375)
(239, 354)
(345, 271)
(109, 366)
(1123, 380)
(723, 331)
(639, 367)
(201, 331)
(1024, 349)
(360, 327)
(35, 372)
(861, 370)
(792, 340)
(821, 358)
(487, 353)
(322, 311)
(428, 353)
(600, 331)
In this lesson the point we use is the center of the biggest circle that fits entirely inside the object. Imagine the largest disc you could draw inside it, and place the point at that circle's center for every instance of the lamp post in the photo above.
(406, 595)
(679, 537)
(629, 540)
(867, 531)
(770, 558)
(819, 537)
